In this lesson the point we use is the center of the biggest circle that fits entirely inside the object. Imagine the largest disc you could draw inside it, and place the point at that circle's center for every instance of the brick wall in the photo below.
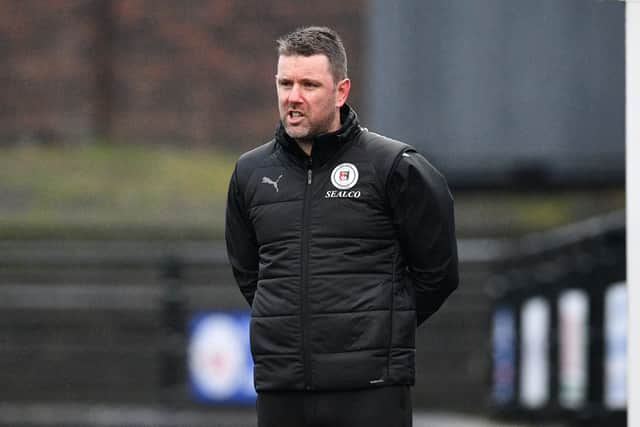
(195, 72)
(47, 77)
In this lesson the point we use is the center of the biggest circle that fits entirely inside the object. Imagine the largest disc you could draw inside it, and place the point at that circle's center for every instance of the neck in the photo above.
(305, 145)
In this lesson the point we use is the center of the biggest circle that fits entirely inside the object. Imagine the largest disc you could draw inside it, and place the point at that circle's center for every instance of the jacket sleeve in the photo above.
(422, 211)
(242, 248)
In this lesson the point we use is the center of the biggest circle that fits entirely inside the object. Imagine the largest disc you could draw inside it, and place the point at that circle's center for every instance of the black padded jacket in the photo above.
(340, 255)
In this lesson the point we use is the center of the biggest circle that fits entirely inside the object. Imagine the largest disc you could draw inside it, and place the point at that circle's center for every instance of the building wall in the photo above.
(189, 72)
(503, 93)
(47, 77)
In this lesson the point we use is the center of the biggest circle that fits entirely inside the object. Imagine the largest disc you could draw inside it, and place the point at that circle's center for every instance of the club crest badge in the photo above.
(344, 176)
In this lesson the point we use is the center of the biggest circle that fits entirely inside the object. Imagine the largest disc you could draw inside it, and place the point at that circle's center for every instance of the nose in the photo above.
(294, 94)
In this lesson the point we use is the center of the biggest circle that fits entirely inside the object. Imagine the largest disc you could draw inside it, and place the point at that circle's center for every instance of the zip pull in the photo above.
(309, 173)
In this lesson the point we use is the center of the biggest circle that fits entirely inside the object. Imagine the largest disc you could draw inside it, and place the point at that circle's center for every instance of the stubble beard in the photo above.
(306, 134)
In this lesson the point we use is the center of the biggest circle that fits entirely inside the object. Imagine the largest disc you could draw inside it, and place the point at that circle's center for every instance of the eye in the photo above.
(285, 83)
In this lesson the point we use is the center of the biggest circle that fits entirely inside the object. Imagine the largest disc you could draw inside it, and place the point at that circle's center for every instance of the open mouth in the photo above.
(295, 116)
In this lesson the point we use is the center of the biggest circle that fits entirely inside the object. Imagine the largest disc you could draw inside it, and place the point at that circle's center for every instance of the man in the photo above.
(342, 242)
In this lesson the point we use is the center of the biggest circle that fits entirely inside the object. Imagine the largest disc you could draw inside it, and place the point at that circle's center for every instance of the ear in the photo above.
(342, 88)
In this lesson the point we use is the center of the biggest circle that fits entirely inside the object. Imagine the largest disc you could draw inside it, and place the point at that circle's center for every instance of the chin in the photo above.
(297, 133)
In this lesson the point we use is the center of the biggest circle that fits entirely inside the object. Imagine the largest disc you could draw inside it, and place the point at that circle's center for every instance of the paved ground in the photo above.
(96, 415)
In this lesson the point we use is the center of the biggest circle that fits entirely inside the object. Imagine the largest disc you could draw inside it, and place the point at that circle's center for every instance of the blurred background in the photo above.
(121, 120)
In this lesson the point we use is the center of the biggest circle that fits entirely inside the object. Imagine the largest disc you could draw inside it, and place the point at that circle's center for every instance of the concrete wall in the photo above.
(502, 93)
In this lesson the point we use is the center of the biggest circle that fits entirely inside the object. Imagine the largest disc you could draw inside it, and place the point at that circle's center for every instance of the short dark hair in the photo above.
(314, 40)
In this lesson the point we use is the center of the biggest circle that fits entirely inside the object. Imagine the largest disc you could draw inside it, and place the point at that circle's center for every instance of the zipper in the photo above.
(306, 219)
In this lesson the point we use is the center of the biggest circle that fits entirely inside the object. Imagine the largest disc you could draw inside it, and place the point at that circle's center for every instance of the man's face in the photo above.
(309, 99)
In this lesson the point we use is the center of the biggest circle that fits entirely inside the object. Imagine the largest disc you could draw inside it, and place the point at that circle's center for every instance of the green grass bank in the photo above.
(112, 191)
(120, 191)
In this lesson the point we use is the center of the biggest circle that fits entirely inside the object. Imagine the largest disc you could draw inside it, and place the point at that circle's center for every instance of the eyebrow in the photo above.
(312, 81)
(302, 81)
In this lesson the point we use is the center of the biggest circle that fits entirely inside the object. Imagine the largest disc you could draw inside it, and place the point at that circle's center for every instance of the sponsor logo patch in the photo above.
(344, 176)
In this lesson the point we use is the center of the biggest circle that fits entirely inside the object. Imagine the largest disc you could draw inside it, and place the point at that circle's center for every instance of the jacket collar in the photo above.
(324, 145)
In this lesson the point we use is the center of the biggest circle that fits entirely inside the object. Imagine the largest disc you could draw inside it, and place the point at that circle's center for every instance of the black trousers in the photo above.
(375, 407)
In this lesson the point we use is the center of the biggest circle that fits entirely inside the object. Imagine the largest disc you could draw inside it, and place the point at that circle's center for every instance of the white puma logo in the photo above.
(267, 180)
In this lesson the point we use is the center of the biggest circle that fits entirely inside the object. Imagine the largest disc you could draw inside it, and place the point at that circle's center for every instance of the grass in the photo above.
(112, 190)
